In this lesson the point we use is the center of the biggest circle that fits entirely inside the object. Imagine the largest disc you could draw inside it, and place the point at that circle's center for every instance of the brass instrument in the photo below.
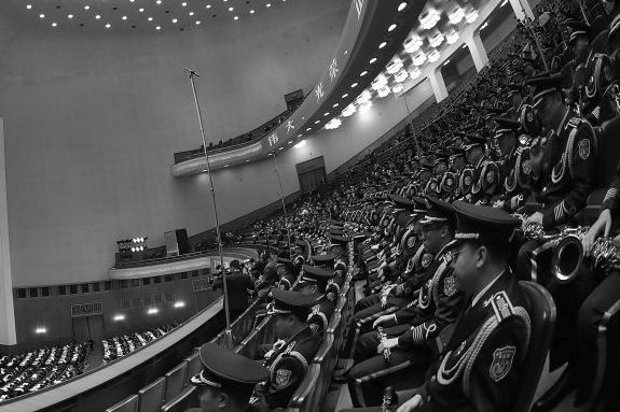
(568, 255)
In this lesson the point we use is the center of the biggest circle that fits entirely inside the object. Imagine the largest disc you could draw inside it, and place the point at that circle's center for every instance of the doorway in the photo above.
(311, 174)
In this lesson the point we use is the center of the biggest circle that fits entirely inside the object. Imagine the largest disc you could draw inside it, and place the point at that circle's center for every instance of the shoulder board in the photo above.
(290, 346)
(502, 306)
(574, 122)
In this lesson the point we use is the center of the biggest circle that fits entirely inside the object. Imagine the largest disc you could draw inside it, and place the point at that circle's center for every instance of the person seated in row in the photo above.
(410, 344)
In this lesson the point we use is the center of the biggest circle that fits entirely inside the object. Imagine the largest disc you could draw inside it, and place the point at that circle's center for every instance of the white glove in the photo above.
(411, 405)
(383, 319)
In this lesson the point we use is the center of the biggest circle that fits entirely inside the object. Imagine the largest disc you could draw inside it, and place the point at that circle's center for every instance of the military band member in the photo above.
(319, 282)
(227, 380)
(568, 167)
(412, 343)
(481, 365)
(293, 351)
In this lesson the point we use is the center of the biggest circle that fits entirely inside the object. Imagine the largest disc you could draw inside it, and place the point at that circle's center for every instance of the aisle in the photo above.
(95, 357)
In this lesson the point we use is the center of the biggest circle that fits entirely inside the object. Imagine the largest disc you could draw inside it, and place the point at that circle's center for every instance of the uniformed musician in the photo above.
(293, 350)
(567, 170)
(481, 365)
(227, 380)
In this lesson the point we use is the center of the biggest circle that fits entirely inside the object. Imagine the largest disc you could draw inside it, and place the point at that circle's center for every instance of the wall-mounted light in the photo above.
(152, 311)
(394, 65)
(364, 97)
(384, 91)
(413, 43)
(333, 124)
(179, 304)
(379, 82)
(118, 317)
(349, 110)
(415, 73)
(364, 107)
(401, 76)
(40, 330)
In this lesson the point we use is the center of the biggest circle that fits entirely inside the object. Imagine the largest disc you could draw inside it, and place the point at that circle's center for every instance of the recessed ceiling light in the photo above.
(158, 28)
(124, 17)
(354, 85)
(326, 114)
(208, 6)
(174, 21)
(374, 59)
(28, 6)
(252, 11)
(108, 25)
(41, 16)
(54, 24)
(191, 13)
(382, 45)
(87, 7)
(150, 19)
(197, 22)
(364, 73)
(98, 16)
(402, 6)
(158, 2)
(236, 17)
(184, 4)
(141, 10)
(392, 27)
(231, 8)
(344, 96)
(336, 105)
(268, 4)
(70, 16)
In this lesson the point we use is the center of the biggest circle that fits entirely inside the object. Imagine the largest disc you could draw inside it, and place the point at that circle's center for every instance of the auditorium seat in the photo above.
(152, 396)
(129, 404)
(542, 312)
(302, 398)
(603, 351)
(175, 381)
(194, 365)
(181, 402)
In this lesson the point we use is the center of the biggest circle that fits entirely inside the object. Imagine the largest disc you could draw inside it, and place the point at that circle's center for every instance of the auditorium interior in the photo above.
(309, 205)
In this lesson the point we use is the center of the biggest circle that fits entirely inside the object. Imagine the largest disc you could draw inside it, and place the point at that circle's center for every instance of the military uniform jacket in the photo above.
(288, 368)
(612, 197)
(436, 305)
(481, 367)
(569, 169)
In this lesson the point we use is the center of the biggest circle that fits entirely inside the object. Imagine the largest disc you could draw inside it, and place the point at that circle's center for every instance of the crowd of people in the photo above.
(35, 370)
(122, 345)
(514, 178)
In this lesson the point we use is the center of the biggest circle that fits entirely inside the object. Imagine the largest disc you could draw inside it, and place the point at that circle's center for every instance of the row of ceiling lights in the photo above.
(412, 47)
(150, 19)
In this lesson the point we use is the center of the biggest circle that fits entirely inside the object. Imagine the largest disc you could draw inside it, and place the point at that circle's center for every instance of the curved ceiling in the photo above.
(140, 15)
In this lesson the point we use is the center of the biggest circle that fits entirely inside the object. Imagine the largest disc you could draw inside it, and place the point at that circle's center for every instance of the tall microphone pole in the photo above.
(415, 138)
(192, 74)
(288, 229)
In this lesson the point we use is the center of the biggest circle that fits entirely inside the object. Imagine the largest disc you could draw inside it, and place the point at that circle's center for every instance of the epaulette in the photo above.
(502, 306)
(574, 122)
